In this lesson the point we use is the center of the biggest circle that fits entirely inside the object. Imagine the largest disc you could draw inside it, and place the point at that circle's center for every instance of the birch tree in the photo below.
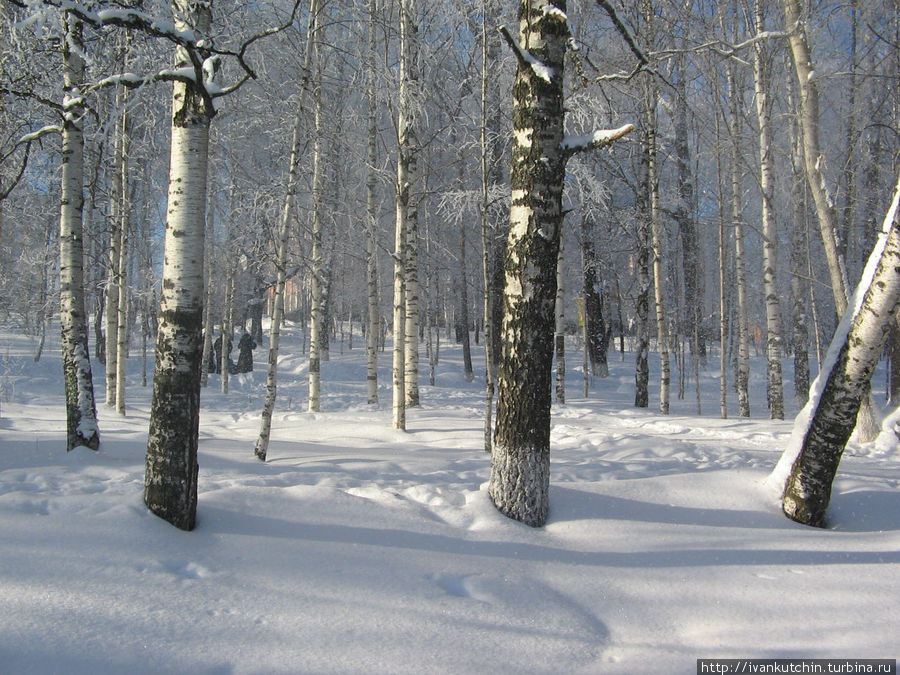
(81, 410)
(373, 314)
(774, 387)
(816, 447)
(281, 253)
(814, 160)
(170, 480)
(520, 460)
(405, 351)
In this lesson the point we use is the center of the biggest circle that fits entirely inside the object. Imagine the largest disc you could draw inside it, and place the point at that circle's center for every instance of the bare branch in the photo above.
(642, 58)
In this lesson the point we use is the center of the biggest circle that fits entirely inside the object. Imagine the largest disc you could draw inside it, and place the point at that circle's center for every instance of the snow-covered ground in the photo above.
(358, 549)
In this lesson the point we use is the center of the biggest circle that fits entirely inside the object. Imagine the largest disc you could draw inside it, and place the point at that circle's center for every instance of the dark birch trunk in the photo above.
(520, 461)
(596, 332)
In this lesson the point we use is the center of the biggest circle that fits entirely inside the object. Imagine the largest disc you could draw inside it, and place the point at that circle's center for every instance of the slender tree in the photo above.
(775, 389)
(81, 411)
(281, 247)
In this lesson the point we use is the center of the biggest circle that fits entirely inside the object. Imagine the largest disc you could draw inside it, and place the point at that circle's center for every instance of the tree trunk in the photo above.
(596, 333)
(775, 389)
(122, 265)
(656, 242)
(81, 411)
(287, 213)
(854, 354)
(372, 217)
(410, 148)
(687, 226)
(642, 304)
(317, 332)
(742, 379)
(814, 160)
(813, 156)
(799, 264)
(406, 165)
(520, 461)
(559, 336)
(115, 245)
(170, 481)
(493, 241)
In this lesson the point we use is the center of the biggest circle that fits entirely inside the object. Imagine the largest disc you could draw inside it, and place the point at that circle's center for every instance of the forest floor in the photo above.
(359, 549)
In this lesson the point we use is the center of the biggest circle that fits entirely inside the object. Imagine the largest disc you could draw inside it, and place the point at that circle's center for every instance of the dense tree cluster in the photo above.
(368, 173)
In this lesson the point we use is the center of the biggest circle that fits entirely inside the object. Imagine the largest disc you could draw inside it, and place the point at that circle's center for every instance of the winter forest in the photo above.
(423, 321)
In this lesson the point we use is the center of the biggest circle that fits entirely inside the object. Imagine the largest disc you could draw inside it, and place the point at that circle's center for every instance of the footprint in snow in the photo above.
(187, 569)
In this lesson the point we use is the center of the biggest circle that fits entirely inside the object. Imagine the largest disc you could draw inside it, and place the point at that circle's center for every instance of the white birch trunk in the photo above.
(867, 427)
(115, 244)
(170, 481)
(122, 266)
(813, 156)
(410, 143)
(656, 242)
(775, 388)
(81, 414)
(825, 426)
(317, 333)
(742, 379)
(372, 217)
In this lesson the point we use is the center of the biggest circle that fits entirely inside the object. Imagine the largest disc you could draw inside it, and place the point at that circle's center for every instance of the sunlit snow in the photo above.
(359, 549)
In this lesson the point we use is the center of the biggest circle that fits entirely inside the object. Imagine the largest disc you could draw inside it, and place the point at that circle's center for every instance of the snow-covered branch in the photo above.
(599, 139)
(204, 55)
(526, 59)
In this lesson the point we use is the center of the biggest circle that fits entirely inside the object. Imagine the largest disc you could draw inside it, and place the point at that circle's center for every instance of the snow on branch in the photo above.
(526, 59)
(203, 54)
(599, 139)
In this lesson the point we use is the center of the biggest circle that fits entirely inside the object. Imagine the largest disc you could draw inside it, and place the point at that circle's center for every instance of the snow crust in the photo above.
(359, 549)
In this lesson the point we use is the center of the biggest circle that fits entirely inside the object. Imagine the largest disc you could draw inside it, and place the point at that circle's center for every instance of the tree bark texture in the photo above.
(775, 388)
(372, 214)
(520, 461)
(596, 333)
(742, 379)
(317, 332)
(81, 411)
(808, 489)
(170, 480)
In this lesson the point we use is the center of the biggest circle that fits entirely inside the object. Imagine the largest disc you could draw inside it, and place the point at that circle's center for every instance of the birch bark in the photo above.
(808, 488)
(520, 460)
(317, 333)
(170, 480)
(81, 411)
(775, 389)
(372, 215)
